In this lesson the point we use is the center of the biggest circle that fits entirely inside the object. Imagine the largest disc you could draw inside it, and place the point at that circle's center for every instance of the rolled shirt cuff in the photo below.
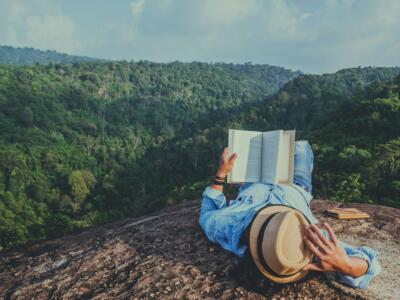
(217, 196)
(374, 267)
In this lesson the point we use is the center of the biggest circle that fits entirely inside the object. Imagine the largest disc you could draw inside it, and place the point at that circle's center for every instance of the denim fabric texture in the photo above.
(225, 224)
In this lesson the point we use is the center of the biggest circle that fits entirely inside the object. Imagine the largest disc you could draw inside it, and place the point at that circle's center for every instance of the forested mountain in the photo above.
(88, 143)
(29, 56)
(308, 98)
(354, 130)
(91, 142)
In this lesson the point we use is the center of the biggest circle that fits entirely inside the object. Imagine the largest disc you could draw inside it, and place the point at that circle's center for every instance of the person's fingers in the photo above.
(233, 157)
(312, 248)
(224, 154)
(312, 235)
(331, 233)
(313, 267)
(321, 236)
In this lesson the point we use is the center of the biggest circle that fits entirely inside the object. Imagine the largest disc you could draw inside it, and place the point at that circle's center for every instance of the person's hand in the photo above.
(331, 257)
(225, 163)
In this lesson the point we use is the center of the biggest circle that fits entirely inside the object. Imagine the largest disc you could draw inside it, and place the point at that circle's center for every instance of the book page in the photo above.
(290, 156)
(270, 141)
(283, 159)
(247, 145)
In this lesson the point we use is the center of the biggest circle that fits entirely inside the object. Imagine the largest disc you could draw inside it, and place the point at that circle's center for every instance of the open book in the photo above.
(262, 156)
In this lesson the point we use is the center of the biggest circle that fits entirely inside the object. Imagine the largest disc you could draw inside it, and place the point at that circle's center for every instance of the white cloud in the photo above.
(137, 8)
(52, 32)
(38, 23)
(314, 36)
(284, 22)
(224, 12)
(10, 36)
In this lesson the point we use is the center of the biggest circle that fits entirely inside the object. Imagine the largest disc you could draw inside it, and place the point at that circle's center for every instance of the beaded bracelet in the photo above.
(216, 182)
(219, 177)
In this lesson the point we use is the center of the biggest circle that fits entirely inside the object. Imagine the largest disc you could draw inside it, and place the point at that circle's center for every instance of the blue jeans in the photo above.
(303, 165)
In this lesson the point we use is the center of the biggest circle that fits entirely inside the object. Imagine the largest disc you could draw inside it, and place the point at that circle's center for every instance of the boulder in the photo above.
(166, 255)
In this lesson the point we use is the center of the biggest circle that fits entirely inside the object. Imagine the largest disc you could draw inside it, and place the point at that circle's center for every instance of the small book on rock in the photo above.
(347, 213)
(262, 156)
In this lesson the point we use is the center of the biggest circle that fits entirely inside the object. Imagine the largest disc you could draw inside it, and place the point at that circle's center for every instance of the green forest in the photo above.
(29, 56)
(89, 142)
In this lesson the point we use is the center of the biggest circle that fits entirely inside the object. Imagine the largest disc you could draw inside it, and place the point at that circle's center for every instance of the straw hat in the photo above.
(276, 243)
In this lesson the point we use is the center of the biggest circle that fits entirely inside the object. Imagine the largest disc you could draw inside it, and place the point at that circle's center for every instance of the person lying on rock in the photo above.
(276, 225)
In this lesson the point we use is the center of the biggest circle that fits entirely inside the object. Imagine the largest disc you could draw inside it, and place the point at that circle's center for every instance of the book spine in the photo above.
(230, 147)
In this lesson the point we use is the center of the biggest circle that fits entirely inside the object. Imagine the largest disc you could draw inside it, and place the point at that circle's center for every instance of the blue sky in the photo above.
(309, 35)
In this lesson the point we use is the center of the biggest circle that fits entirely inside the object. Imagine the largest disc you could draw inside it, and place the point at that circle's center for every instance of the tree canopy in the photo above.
(90, 142)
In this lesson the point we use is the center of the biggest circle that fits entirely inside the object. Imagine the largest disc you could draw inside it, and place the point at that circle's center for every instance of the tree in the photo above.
(80, 182)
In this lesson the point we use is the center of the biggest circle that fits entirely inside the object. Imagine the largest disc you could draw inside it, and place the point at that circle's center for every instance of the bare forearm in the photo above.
(217, 187)
(355, 267)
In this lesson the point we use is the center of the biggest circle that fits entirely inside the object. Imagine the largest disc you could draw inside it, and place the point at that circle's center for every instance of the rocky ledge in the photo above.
(165, 255)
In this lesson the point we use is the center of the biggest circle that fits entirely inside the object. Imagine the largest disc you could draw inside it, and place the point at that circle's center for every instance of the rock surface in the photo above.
(166, 255)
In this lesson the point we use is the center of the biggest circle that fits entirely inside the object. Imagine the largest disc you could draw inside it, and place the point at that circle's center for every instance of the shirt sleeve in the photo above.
(367, 254)
(212, 201)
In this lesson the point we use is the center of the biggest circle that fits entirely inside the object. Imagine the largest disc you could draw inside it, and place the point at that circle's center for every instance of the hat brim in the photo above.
(256, 225)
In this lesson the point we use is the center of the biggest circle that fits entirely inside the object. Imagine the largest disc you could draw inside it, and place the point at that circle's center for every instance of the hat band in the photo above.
(260, 251)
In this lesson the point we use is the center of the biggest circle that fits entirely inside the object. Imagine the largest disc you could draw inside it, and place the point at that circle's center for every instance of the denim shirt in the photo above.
(224, 224)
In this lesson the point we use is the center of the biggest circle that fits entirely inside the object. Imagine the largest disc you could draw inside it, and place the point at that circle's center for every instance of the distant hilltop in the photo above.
(28, 56)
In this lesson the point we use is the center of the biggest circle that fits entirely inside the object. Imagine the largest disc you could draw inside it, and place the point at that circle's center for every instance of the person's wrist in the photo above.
(346, 266)
(221, 173)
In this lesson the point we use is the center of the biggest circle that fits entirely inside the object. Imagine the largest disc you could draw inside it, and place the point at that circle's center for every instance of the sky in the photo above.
(313, 36)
